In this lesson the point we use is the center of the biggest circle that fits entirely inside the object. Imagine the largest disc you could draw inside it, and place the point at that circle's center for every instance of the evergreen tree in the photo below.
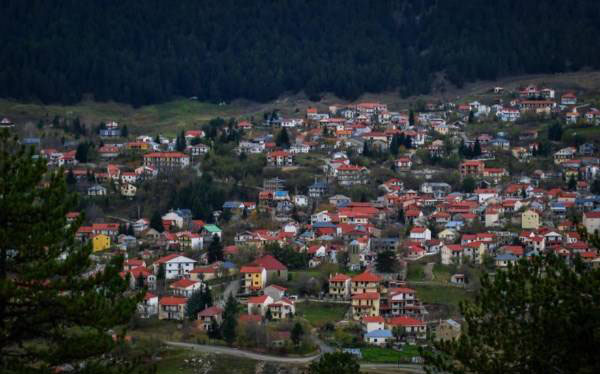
(157, 139)
(476, 149)
(468, 185)
(71, 180)
(386, 262)
(180, 142)
(229, 324)
(268, 315)
(471, 117)
(595, 188)
(215, 250)
(555, 131)
(411, 118)
(297, 333)
(197, 302)
(509, 325)
(395, 146)
(214, 331)
(125, 131)
(81, 154)
(51, 313)
(156, 221)
(283, 138)
(572, 183)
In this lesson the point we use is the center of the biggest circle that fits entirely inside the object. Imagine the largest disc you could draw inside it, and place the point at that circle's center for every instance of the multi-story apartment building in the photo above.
(255, 278)
(349, 175)
(365, 305)
(164, 161)
(365, 283)
(472, 168)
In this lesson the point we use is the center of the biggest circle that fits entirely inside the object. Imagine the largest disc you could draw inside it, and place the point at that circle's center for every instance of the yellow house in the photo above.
(365, 305)
(100, 242)
(530, 219)
(255, 278)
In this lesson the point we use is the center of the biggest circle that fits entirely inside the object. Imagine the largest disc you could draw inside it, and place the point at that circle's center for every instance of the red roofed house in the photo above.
(172, 307)
(166, 160)
(419, 233)
(282, 309)
(365, 283)
(472, 168)
(372, 323)
(339, 286)
(176, 265)
(280, 158)
(411, 326)
(185, 287)
(259, 304)
(255, 278)
(402, 301)
(591, 221)
(208, 316)
(275, 269)
(149, 306)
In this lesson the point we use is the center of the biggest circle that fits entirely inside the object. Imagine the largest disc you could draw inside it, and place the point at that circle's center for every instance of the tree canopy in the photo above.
(56, 307)
(151, 51)
(540, 316)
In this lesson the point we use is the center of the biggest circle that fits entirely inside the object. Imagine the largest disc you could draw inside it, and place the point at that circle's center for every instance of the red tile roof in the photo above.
(270, 263)
(366, 277)
(173, 300)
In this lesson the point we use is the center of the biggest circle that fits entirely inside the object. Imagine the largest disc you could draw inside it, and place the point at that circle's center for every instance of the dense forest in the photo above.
(153, 50)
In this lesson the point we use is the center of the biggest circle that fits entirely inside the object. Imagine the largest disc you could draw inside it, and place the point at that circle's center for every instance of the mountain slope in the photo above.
(150, 51)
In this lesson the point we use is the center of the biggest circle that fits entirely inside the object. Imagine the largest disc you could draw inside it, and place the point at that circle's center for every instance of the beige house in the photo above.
(339, 286)
(365, 305)
(365, 283)
(591, 221)
(281, 309)
(530, 219)
(172, 307)
(448, 235)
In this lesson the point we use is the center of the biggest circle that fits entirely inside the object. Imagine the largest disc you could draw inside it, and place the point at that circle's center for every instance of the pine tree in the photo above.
(197, 302)
(215, 250)
(395, 146)
(283, 138)
(214, 330)
(71, 178)
(411, 118)
(81, 154)
(229, 325)
(572, 183)
(477, 149)
(156, 221)
(297, 333)
(509, 325)
(50, 313)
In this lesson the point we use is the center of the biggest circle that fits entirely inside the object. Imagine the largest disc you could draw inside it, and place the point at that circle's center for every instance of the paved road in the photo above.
(232, 288)
(418, 369)
(244, 354)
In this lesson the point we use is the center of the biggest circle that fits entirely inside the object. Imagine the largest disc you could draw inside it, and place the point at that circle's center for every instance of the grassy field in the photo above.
(415, 272)
(440, 294)
(173, 362)
(388, 355)
(318, 314)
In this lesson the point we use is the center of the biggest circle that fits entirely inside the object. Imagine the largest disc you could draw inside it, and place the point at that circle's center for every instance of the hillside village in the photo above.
(352, 209)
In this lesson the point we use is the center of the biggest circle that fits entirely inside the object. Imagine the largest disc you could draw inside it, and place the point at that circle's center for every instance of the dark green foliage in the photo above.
(198, 301)
(288, 256)
(50, 313)
(215, 250)
(71, 178)
(156, 221)
(229, 320)
(572, 184)
(297, 333)
(539, 316)
(180, 142)
(335, 363)
(220, 50)
(555, 131)
(283, 138)
(468, 185)
(214, 331)
(81, 154)
(387, 262)
(124, 131)
(595, 187)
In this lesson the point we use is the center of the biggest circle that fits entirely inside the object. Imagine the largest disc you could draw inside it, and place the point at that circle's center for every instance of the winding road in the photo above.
(417, 369)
